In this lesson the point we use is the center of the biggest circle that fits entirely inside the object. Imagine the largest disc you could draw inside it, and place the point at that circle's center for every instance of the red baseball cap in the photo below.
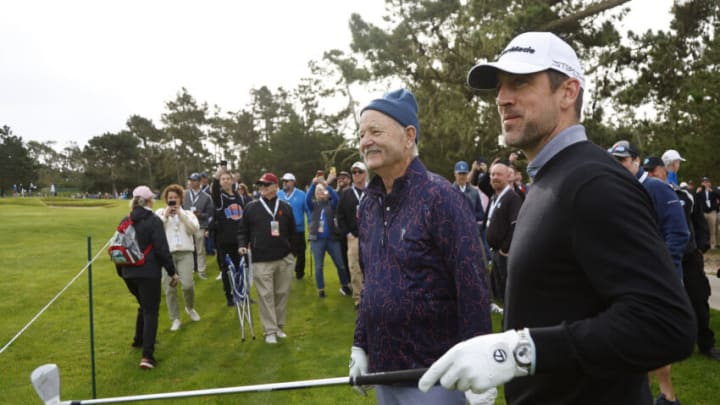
(267, 178)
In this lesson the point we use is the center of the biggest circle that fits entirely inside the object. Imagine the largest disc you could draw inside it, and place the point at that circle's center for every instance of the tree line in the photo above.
(658, 89)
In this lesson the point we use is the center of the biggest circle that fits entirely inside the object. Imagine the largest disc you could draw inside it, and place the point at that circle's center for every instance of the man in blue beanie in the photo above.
(424, 288)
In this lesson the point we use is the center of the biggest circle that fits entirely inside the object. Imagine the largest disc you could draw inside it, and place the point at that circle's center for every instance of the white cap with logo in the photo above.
(530, 52)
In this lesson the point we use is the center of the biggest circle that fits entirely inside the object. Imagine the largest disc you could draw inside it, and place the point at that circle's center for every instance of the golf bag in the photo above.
(239, 282)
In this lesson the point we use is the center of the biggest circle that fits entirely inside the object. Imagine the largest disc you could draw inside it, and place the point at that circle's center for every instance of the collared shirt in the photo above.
(568, 136)
(424, 288)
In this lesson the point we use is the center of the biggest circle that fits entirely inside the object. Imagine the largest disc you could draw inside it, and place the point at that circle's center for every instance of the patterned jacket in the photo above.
(424, 287)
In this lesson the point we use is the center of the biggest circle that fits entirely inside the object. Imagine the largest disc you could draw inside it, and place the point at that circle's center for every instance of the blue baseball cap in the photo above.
(462, 167)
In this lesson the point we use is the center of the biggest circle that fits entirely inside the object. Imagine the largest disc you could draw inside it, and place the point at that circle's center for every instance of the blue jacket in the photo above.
(299, 207)
(670, 217)
(424, 287)
(322, 210)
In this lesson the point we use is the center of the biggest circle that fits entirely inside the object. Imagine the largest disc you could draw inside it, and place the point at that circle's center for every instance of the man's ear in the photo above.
(570, 90)
(410, 135)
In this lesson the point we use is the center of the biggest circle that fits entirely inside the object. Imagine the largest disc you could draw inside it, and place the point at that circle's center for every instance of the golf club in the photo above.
(46, 380)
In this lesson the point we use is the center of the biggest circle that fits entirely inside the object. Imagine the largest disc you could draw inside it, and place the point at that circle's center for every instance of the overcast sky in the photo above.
(71, 70)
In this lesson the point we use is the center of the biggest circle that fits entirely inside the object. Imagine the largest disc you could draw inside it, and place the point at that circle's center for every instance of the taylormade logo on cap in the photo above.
(527, 53)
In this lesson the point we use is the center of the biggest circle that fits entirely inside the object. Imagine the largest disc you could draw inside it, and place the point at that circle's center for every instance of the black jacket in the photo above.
(149, 229)
(255, 230)
(346, 212)
(502, 224)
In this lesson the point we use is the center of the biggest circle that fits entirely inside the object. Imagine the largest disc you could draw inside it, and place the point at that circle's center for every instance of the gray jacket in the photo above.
(202, 204)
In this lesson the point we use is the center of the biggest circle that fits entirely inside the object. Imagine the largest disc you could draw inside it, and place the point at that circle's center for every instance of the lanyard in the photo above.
(497, 201)
(272, 213)
(194, 197)
(358, 196)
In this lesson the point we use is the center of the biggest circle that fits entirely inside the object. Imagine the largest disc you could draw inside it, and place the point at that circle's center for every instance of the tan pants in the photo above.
(199, 237)
(356, 275)
(184, 266)
(711, 218)
(272, 282)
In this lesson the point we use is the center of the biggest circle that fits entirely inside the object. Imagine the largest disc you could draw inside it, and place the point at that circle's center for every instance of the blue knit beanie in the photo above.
(399, 105)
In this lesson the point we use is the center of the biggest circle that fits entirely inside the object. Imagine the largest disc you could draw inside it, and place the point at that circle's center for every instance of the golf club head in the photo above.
(46, 380)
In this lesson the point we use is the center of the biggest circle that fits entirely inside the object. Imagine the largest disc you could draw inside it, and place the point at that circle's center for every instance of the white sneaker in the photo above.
(202, 275)
(175, 325)
(271, 339)
(281, 334)
(219, 277)
(193, 314)
(496, 308)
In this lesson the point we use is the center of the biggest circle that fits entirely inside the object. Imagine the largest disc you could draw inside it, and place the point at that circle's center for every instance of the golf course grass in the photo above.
(44, 245)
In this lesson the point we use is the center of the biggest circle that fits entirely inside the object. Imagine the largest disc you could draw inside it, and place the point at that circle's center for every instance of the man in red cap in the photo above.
(268, 225)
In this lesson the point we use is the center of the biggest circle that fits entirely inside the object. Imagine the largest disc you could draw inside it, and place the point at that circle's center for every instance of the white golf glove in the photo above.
(358, 366)
(484, 398)
(483, 362)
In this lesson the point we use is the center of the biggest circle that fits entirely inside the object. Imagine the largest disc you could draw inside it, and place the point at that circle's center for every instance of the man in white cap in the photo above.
(346, 215)
(296, 198)
(672, 160)
(592, 300)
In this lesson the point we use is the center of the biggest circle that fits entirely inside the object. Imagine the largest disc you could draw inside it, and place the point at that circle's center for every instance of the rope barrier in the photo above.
(102, 249)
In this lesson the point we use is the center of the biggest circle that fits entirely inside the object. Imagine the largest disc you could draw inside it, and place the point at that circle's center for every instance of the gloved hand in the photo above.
(480, 363)
(358, 366)
(484, 398)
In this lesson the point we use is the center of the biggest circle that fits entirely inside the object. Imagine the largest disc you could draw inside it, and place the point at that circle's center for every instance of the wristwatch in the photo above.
(524, 352)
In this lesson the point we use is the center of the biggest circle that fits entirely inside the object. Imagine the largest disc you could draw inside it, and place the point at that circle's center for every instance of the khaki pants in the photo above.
(199, 237)
(184, 266)
(356, 275)
(711, 218)
(272, 282)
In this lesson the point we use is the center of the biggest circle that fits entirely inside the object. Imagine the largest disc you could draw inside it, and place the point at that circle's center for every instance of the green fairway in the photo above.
(43, 247)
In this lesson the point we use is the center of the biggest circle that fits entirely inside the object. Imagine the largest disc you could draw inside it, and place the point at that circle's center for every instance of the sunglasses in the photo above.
(261, 184)
(357, 172)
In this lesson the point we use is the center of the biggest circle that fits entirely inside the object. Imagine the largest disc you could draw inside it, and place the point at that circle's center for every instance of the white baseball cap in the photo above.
(359, 165)
(670, 156)
(530, 52)
(288, 177)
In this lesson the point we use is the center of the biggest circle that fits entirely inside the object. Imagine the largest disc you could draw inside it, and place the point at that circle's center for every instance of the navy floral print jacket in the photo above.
(425, 283)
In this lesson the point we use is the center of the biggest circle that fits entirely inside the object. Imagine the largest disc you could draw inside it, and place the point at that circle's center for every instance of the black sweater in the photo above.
(228, 215)
(502, 224)
(255, 230)
(590, 276)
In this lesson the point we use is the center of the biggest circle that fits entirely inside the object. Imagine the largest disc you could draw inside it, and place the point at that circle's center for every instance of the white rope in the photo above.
(102, 249)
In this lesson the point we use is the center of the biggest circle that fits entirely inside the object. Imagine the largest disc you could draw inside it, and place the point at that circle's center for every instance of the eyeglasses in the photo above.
(357, 172)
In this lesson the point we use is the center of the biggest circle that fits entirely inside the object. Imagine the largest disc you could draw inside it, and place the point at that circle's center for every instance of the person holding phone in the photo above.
(180, 226)
(229, 210)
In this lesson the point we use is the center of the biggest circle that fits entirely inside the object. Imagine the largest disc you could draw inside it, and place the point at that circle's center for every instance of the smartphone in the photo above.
(223, 163)
(333, 171)
(172, 203)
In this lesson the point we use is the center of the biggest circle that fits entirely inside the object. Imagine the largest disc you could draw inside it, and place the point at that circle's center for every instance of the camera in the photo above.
(223, 163)
(172, 203)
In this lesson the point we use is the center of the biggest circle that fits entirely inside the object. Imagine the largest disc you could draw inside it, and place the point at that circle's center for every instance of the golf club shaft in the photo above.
(390, 377)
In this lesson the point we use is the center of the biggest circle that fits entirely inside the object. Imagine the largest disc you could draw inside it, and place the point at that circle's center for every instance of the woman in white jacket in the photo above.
(180, 225)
